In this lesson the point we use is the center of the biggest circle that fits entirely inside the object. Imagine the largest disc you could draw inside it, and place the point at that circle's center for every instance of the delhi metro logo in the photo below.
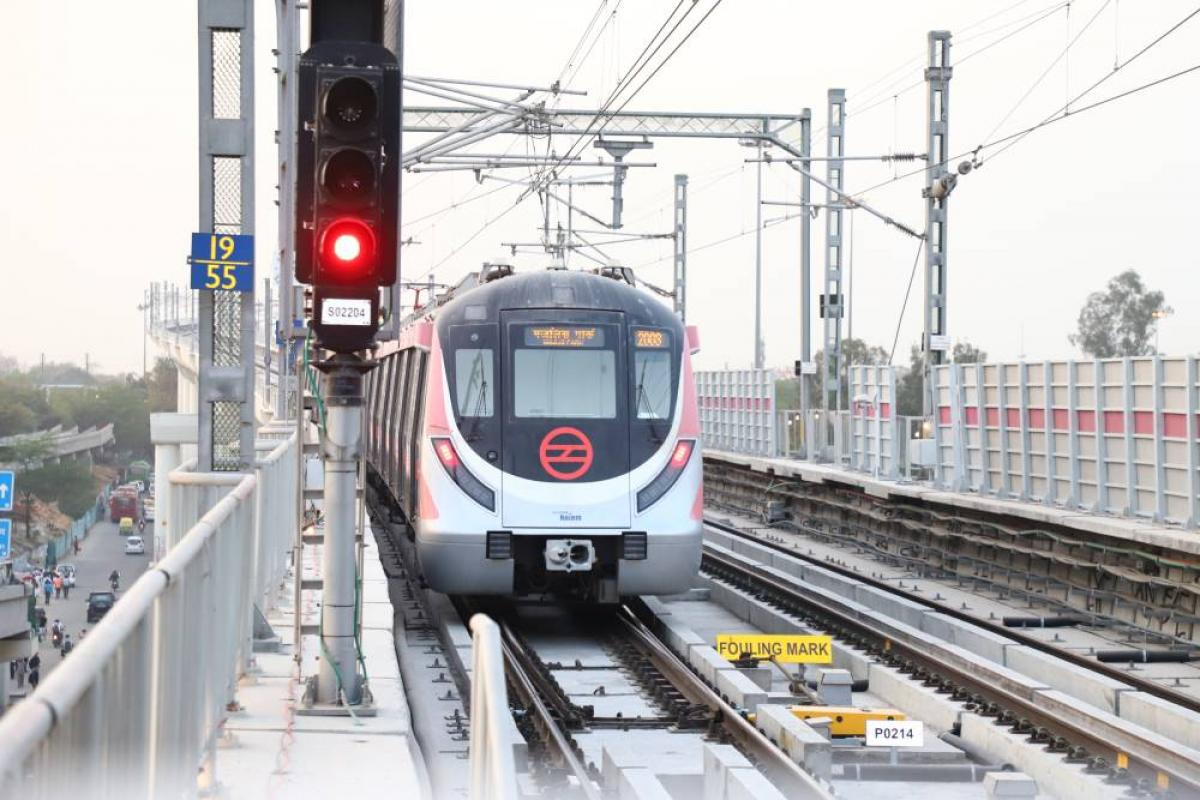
(565, 453)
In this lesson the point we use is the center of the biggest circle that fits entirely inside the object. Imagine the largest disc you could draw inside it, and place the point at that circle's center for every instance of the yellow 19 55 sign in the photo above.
(784, 648)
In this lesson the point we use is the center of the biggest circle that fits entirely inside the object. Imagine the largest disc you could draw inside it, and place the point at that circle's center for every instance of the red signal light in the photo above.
(347, 248)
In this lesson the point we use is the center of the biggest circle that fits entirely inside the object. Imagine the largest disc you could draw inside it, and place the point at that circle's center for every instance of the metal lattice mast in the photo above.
(287, 20)
(226, 332)
(805, 260)
(680, 244)
(831, 379)
(937, 76)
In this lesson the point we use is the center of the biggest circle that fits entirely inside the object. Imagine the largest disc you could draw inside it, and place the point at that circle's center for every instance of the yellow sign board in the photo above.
(784, 648)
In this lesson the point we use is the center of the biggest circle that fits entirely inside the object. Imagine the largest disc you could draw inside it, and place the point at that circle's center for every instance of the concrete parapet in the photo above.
(805, 746)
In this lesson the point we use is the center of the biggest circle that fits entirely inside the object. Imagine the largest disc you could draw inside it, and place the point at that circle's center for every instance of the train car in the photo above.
(540, 433)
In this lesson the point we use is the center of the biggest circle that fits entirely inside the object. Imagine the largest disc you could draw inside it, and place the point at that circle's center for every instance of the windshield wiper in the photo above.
(481, 400)
(642, 395)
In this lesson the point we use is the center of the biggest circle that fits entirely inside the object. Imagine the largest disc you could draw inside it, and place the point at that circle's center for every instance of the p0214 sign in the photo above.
(895, 733)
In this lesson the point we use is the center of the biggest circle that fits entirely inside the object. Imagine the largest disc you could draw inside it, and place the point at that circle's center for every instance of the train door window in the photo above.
(385, 416)
(475, 380)
(415, 412)
(399, 413)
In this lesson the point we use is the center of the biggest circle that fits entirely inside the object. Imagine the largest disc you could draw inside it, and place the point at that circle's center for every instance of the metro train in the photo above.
(540, 433)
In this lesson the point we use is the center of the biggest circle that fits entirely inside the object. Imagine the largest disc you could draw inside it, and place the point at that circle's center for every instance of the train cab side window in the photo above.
(652, 383)
(474, 381)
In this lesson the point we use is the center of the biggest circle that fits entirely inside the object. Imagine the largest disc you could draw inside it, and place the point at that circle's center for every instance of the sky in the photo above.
(100, 177)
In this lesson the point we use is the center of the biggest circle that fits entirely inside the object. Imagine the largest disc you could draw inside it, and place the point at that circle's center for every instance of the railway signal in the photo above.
(347, 189)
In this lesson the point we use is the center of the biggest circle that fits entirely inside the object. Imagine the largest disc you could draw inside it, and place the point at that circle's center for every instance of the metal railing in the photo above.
(137, 708)
(493, 773)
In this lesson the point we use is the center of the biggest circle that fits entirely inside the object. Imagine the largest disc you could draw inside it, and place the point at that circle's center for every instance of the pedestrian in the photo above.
(58, 585)
(34, 677)
(67, 646)
(47, 588)
(66, 590)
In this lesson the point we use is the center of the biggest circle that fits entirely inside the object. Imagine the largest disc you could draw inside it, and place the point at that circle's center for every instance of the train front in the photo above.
(562, 450)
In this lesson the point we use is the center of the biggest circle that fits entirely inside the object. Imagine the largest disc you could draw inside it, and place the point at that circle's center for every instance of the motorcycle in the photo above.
(114, 582)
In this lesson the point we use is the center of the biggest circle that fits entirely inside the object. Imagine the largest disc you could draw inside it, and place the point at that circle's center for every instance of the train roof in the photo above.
(557, 289)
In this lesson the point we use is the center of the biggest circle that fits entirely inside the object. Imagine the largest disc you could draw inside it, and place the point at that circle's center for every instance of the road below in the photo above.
(100, 553)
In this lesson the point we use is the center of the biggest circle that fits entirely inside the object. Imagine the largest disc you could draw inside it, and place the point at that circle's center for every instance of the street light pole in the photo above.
(142, 307)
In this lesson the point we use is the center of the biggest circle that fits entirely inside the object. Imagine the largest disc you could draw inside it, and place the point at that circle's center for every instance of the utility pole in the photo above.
(831, 297)
(938, 184)
(758, 232)
(680, 245)
(805, 266)
(287, 22)
(618, 149)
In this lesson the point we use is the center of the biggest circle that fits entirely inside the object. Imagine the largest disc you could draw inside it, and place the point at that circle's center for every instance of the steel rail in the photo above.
(1097, 734)
(779, 768)
(518, 675)
(1142, 684)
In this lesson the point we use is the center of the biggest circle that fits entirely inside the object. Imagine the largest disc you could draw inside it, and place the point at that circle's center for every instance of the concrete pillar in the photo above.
(171, 434)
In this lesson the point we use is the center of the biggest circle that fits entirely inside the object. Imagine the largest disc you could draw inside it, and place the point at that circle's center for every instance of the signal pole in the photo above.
(347, 248)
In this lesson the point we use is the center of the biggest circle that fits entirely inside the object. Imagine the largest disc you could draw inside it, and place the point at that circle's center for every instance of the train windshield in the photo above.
(565, 371)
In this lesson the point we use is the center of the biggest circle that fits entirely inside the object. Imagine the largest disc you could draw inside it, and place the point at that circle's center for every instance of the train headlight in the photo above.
(663, 482)
(472, 486)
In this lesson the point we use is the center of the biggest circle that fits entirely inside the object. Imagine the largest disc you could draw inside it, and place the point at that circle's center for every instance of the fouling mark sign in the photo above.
(784, 648)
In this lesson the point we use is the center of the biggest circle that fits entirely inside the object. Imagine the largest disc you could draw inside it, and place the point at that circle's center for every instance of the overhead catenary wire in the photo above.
(904, 305)
(1046, 72)
(1057, 115)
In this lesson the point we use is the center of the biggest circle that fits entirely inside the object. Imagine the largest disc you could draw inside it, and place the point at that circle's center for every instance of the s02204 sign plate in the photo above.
(337, 311)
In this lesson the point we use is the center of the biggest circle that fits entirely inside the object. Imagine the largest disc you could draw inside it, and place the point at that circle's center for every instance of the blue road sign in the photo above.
(222, 261)
(5, 539)
(7, 490)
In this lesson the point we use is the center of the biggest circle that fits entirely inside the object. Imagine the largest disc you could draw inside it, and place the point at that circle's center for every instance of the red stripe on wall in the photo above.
(972, 415)
(944, 415)
(885, 410)
(993, 417)
(1086, 421)
(1143, 422)
(1037, 419)
(1174, 425)
(1114, 421)
(1013, 417)
(1062, 419)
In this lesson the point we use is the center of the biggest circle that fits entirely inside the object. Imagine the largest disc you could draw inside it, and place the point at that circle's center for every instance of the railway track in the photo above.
(1078, 735)
(1142, 684)
(684, 705)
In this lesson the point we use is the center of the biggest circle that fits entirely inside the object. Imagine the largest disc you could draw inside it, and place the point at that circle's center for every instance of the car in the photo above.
(98, 604)
(67, 571)
(134, 546)
(148, 509)
(125, 527)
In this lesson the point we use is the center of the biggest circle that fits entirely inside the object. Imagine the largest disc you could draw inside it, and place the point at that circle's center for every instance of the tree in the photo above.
(27, 451)
(69, 483)
(910, 385)
(162, 391)
(966, 353)
(1119, 321)
(854, 352)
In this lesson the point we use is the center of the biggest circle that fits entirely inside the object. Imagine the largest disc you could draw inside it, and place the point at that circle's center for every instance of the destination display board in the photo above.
(563, 336)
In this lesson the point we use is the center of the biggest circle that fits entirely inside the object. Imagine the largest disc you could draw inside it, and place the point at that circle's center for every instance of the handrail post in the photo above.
(493, 771)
